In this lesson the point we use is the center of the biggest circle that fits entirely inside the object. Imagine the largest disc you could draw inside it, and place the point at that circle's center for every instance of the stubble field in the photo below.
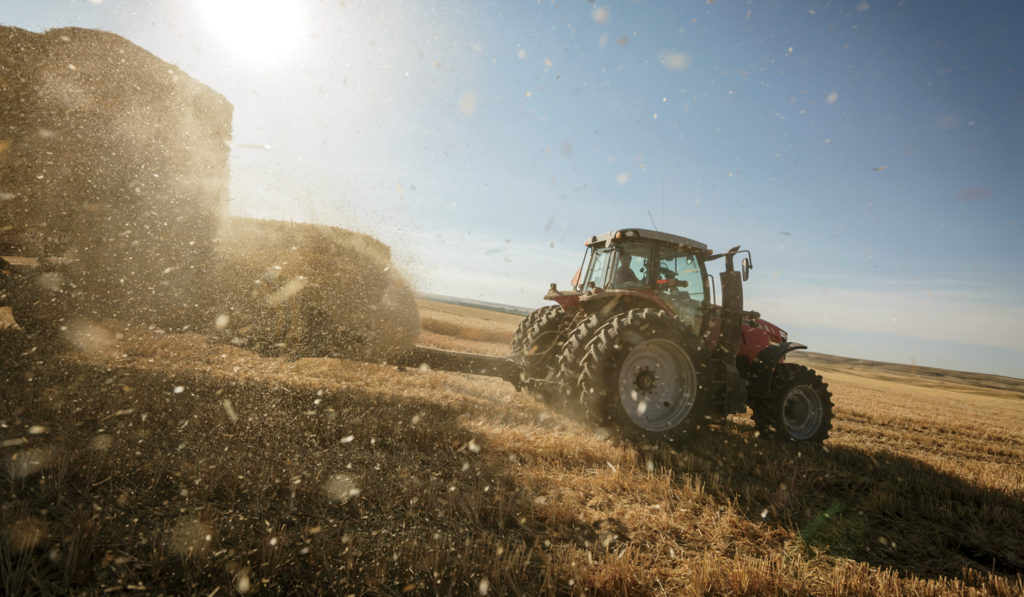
(170, 463)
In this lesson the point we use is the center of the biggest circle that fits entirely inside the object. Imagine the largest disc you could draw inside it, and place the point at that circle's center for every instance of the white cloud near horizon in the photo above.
(938, 310)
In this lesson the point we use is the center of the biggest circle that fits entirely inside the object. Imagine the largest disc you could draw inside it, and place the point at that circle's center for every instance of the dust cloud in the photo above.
(314, 289)
(115, 179)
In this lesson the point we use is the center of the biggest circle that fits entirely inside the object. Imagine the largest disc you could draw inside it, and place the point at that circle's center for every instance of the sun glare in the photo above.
(264, 32)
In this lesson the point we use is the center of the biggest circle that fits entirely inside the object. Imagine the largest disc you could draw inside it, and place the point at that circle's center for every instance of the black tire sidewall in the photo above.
(543, 365)
(608, 351)
(573, 350)
(788, 377)
(522, 330)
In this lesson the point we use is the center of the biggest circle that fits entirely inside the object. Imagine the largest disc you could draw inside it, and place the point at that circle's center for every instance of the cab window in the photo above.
(680, 283)
(597, 273)
(631, 266)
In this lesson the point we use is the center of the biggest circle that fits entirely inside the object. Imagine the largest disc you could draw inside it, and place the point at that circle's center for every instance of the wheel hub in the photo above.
(657, 385)
(801, 412)
(645, 380)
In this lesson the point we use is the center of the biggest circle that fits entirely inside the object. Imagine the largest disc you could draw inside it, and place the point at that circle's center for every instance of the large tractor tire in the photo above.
(799, 408)
(570, 359)
(646, 378)
(535, 345)
(519, 337)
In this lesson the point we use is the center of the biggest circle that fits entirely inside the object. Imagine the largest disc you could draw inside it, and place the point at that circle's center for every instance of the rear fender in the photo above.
(569, 301)
(619, 301)
(760, 370)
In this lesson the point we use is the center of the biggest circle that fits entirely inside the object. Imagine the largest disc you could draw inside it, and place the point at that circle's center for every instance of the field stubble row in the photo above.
(184, 466)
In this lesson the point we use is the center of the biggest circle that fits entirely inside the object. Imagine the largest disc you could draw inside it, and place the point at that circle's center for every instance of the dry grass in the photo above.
(167, 463)
(467, 323)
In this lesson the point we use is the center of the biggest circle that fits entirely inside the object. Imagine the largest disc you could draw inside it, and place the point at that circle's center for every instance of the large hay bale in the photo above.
(116, 163)
(116, 159)
(311, 289)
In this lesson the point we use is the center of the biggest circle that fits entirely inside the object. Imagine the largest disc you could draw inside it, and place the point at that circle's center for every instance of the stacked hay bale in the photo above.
(114, 169)
(311, 290)
(116, 160)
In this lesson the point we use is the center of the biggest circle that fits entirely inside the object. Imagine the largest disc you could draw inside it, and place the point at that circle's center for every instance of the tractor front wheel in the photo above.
(645, 376)
(535, 346)
(519, 337)
(799, 408)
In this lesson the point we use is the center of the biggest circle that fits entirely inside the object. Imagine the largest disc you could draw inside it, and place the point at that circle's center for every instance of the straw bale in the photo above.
(311, 289)
(117, 162)
(114, 158)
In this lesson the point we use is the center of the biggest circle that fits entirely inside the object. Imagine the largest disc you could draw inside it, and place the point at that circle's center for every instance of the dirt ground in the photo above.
(172, 463)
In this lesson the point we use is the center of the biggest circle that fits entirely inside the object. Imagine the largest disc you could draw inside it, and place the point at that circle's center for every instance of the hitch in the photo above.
(461, 362)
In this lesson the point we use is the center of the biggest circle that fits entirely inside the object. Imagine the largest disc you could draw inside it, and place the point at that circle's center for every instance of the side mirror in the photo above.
(746, 267)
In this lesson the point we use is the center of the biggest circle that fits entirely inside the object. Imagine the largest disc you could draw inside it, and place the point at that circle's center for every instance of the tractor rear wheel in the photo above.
(536, 344)
(644, 376)
(799, 408)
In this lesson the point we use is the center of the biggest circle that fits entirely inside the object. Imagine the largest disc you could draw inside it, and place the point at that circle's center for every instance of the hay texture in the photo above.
(113, 158)
(116, 163)
(311, 289)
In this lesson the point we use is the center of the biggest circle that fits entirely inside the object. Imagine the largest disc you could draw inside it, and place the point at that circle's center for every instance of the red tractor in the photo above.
(644, 346)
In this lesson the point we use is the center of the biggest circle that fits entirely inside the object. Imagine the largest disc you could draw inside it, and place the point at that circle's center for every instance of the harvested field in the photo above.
(467, 329)
(168, 463)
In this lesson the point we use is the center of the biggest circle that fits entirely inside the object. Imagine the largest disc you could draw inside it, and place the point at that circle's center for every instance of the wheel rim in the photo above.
(801, 412)
(657, 385)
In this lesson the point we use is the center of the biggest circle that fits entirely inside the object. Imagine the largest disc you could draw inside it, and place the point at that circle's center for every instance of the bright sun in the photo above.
(258, 31)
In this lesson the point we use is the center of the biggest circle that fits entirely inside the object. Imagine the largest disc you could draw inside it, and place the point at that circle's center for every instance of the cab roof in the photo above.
(600, 240)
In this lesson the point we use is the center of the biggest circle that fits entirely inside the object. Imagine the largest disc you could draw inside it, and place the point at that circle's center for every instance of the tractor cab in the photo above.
(635, 268)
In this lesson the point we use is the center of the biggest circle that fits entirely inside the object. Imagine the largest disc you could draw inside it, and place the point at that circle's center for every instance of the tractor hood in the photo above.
(758, 334)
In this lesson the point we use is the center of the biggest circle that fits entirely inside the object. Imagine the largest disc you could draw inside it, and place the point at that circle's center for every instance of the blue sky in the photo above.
(869, 154)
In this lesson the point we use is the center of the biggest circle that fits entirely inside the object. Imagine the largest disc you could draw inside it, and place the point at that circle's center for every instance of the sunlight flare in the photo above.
(263, 32)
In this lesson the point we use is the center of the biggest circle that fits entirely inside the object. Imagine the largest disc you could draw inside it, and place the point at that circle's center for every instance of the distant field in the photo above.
(169, 463)
(471, 329)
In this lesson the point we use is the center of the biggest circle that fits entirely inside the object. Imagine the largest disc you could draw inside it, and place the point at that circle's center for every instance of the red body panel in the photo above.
(569, 301)
(644, 295)
(757, 333)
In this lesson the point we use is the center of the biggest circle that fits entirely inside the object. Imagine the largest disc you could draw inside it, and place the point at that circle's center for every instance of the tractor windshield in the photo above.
(680, 282)
(630, 269)
(597, 273)
(621, 266)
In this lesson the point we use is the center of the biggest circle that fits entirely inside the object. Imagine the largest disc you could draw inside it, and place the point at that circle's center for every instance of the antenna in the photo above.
(662, 198)
(652, 220)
